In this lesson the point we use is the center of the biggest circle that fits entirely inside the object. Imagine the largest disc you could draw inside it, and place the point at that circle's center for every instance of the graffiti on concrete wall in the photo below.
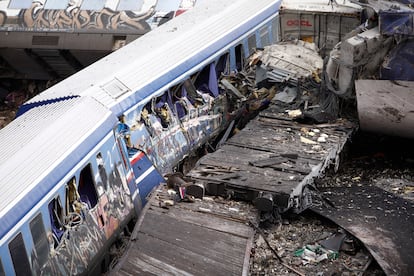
(75, 19)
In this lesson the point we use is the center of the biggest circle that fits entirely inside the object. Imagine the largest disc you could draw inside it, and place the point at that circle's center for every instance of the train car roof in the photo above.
(134, 72)
(321, 6)
(38, 148)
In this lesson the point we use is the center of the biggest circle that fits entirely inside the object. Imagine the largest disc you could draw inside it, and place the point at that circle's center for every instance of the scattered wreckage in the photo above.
(368, 50)
(292, 130)
(278, 146)
(275, 157)
(270, 158)
(374, 65)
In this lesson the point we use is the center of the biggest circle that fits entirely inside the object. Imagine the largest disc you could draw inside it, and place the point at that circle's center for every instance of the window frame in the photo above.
(41, 247)
(20, 261)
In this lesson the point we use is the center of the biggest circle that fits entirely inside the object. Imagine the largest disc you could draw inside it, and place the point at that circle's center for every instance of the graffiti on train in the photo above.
(73, 257)
(73, 18)
(85, 230)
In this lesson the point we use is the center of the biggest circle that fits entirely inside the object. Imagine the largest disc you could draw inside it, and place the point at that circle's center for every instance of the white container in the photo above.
(320, 22)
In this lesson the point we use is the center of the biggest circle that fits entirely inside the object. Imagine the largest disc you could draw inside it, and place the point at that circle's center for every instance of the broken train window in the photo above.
(237, 58)
(72, 197)
(251, 42)
(179, 93)
(75, 202)
(102, 172)
(178, 107)
(265, 36)
(151, 120)
(41, 245)
(18, 255)
(124, 130)
(206, 81)
(275, 30)
(162, 107)
(223, 65)
(87, 190)
(189, 91)
(56, 219)
(195, 92)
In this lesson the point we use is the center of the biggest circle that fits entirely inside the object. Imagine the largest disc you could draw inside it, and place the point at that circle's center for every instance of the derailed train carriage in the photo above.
(79, 160)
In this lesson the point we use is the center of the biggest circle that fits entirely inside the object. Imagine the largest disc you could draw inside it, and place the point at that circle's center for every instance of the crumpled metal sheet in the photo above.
(292, 60)
(386, 106)
(394, 17)
(399, 62)
(396, 22)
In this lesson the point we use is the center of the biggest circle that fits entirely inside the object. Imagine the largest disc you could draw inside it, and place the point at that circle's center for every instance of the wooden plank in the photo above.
(184, 258)
(261, 164)
(261, 179)
(268, 118)
(237, 163)
(206, 167)
(274, 159)
(280, 148)
(238, 154)
(208, 220)
(202, 241)
(245, 153)
(246, 265)
(269, 161)
(239, 213)
(143, 264)
(254, 181)
(180, 241)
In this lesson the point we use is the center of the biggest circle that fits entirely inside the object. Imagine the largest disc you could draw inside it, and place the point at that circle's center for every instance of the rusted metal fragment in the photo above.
(264, 202)
(386, 106)
(382, 221)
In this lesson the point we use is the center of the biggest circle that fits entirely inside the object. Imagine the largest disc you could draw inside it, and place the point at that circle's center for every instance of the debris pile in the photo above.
(308, 245)
(6, 116)
(372, 66)
(382, 161)
(180, 189)
(305, 95)
(15, 93)
(290, 61)
(296, 69)
(288, 76)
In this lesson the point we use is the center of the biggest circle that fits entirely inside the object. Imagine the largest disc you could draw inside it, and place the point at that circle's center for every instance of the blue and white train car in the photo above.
(79, 160)
(65, 188)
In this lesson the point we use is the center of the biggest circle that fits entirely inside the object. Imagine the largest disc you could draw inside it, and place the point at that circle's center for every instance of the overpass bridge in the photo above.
(52, 39)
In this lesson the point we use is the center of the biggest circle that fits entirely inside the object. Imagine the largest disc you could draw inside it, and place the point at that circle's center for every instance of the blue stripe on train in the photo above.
(147, 176)
(27, 106)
